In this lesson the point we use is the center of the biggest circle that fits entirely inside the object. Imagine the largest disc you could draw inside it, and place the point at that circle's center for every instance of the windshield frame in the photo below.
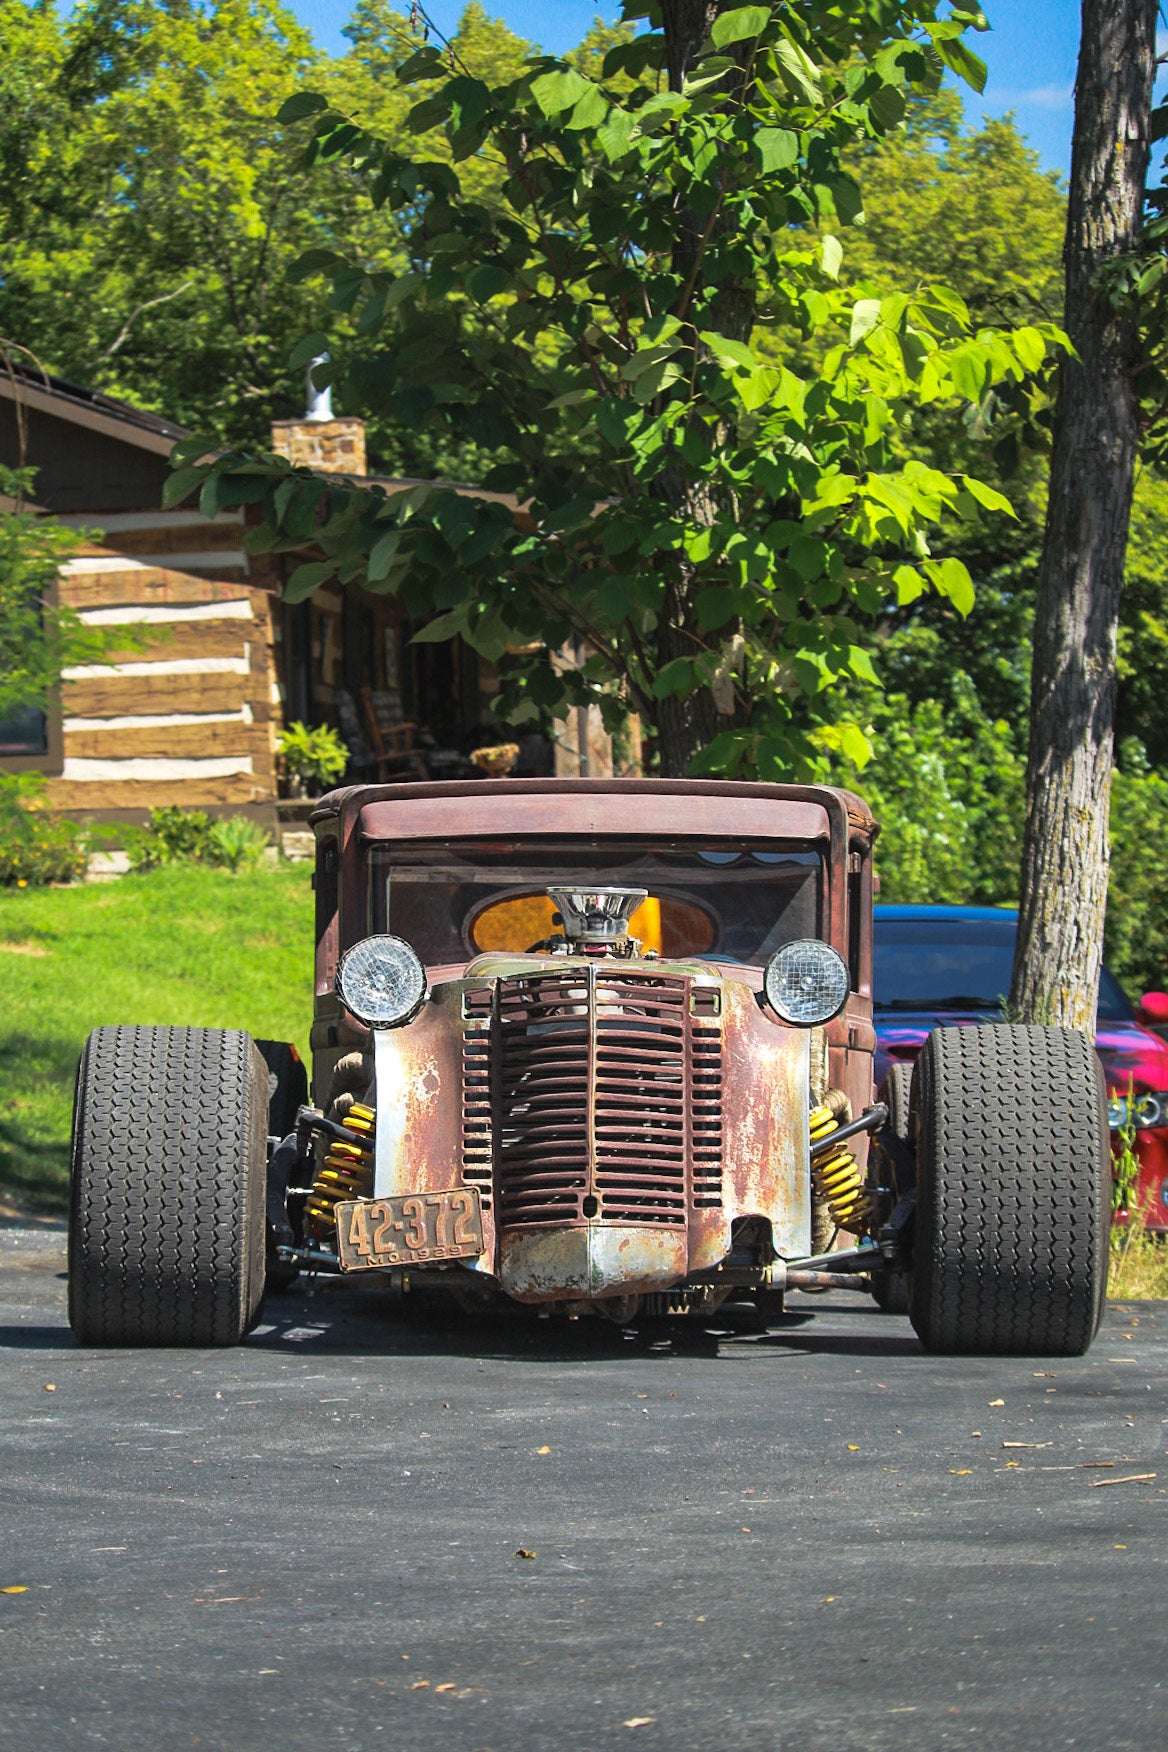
(521, 849)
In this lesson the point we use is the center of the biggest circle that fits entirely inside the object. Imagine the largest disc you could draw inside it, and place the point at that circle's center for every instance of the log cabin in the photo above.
(192, 715)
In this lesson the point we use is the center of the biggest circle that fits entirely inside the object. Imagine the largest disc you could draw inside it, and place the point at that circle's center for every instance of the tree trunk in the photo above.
(1065, 850)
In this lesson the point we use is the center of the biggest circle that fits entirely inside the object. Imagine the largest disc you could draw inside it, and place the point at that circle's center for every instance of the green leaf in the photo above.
(180, 485)
(832, 255)
(430, 113)
(1030, 347)
(301, 104)
(722, 347)
(315, 261)
(616, 137)
(306, 350)
(674, 678)
(865, 316)
(799, 68)
(443, 626)
(950, 577)
(963, 62)
(306, 579)
(560, 90)
(487, 282)
(969, 367)
(658, 377)
(383, 553)
(909, 585)
(402, 287)
(987, 496)
(714, 606)
(590, 111)
(737, 26)
(854, 745)
(777, 149)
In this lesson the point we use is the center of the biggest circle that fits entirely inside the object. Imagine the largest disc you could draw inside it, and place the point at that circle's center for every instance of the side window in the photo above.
(855, 916)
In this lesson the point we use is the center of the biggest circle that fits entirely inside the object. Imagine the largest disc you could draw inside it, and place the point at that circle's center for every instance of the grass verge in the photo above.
(184, 944)
(1139, 1262)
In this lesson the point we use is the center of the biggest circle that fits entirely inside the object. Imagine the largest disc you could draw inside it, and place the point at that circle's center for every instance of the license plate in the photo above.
(421, 1228)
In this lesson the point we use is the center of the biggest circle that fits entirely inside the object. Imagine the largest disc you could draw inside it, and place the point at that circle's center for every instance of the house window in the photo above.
(25, 733)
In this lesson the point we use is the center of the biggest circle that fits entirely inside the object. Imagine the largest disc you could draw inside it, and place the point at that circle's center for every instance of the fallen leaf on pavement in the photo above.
(1028, 1444)
(523, 1552)
(543, 1450)
(995, 1402)
(1129, 1478)
(960, 1471)
(50, 1386)
(638, 1721)
(450, 1685)
(13, 1590)
(853, 1447)
(420, 1685)
(1086, 1465)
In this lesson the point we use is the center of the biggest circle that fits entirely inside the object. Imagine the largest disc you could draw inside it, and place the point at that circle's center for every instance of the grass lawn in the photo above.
(186, 944)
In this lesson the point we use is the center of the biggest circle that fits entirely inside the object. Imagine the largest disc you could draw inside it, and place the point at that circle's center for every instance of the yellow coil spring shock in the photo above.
(346, 1172)
(838, 1177)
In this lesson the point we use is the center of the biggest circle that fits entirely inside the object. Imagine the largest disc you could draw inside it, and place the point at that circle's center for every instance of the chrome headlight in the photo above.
(382, 982)
(806, 983)
(1144, 1110)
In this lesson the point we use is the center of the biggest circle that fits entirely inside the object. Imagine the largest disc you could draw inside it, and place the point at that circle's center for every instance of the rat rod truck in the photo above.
(596, 1046)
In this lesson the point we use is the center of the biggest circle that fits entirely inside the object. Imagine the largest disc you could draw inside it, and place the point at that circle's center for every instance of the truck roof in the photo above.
(719, 808)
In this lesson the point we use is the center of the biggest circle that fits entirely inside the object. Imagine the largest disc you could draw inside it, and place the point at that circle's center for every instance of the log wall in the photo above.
(188, 713)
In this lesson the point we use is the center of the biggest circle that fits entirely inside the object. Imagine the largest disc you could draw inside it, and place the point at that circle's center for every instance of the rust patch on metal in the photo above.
(592, 1260)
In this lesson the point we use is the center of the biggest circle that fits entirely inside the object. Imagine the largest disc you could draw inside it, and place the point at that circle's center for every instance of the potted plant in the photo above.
(313, 759)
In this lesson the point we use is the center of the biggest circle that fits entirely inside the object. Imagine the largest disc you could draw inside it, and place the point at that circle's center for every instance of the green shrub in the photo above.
(191, 836)
(235, 842)
(173, 836)
(35, 847)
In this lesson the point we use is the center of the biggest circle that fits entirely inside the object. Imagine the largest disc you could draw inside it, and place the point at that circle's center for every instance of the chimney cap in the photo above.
(320, 401)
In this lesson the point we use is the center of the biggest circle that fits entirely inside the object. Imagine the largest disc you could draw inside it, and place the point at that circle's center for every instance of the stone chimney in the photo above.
(320, 441)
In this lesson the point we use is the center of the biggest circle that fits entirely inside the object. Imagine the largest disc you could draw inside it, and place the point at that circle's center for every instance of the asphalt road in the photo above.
(369, 1528)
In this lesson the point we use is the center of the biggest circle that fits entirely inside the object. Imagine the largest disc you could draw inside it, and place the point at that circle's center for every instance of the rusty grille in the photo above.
(542, 1107)
(478, 1149)
(623, 1048)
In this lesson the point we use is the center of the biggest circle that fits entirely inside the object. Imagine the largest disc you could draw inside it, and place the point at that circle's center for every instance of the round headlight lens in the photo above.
(381, 981)
(806, 983)
(1149, 1109)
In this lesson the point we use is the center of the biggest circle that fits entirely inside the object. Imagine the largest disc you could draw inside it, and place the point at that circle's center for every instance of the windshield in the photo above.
(454, 900)
(957, 964)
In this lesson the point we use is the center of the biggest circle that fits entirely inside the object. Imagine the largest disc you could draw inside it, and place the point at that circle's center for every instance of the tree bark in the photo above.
(1066, 850)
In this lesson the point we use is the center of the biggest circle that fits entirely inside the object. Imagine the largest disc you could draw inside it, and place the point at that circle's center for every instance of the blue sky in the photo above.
(1030, 53)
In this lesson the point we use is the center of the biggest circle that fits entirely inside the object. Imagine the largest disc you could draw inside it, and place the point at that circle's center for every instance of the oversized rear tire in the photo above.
(1013, 1178)
(166, 1229)
(891, 1290)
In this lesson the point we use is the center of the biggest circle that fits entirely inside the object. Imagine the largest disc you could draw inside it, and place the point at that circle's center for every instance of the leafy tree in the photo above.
(38, 638)
(1072, 708)
(733, 517)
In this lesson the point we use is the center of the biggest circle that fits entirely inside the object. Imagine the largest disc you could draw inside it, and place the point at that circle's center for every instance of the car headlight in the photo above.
(382, 981)
(806, 983)
(1146, 1109)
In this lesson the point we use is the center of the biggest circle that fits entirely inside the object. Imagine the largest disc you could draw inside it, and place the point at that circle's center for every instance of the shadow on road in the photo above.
(341, 1320)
